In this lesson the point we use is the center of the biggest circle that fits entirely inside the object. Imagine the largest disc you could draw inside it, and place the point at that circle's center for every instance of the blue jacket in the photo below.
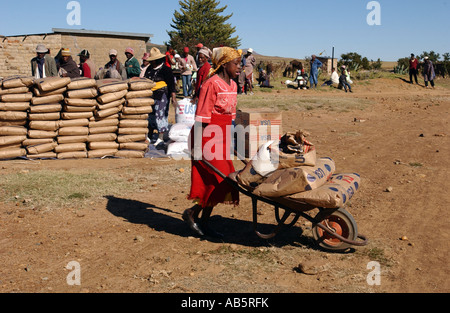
(315, 65)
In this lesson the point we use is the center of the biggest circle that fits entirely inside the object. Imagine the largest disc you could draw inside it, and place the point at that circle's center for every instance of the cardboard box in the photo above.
(253, 128)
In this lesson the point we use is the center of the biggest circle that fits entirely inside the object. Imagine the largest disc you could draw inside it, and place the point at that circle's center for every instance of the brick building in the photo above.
(16, 52)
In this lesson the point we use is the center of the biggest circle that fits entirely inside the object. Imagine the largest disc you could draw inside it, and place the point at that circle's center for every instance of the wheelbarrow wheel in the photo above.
(338, 221)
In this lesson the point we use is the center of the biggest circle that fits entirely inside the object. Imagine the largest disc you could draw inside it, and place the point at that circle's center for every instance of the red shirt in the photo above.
(169, 58)
(202, 74)
(413, 64)
(86, 70)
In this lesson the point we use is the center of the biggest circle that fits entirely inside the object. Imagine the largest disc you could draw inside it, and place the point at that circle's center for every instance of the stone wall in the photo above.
(16, 52)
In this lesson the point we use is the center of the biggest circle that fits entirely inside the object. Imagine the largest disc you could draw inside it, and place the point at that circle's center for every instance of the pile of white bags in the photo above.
(180, 131)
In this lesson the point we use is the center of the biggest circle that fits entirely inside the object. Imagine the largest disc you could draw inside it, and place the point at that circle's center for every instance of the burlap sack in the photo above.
(248, 177)
(73, 131)
(17, 81)
(138, 146)
(102, 137)
(12, 153)
(47, 99)
(133, 131)
(13, 123)
(105, 86)
(140, 102)
(81, 102)
(108, 112)
(13, 116)
(39, 93)
(137, 110)
(130, 154)
(17, 97)
(13, 131)
(74, 123)
(104, 123)
(34, 142)
(70, 147)
(44, 116)
(14, 106)
(103, 130)
(139, 94)
(47, 147)
(87, 93)
(76, 115)
(98, 119)
(14, 90)
(72, 155)
(71, 139)
(111, 104)
(296, 179)
(69, 108)
(46, 108)
(137, 83)
(52, 83)
(82, 83)
(12, 146)
(333, 195)
(133, 116)
(10, 140)
(44, 125)
(110, 97)
(133, 123)
(102, 145)
(131, 138)
(97, 154)
(41, 134)
(42, 156)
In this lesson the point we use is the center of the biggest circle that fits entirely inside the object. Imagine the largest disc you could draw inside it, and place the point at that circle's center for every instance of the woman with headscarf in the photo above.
(215, 111)
(162, 93)
(204, 54)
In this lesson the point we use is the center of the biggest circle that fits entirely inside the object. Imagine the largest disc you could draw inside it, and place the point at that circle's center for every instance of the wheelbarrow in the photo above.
(333, 230)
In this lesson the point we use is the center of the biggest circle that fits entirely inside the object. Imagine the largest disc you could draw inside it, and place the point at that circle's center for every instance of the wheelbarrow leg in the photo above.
(277, 229)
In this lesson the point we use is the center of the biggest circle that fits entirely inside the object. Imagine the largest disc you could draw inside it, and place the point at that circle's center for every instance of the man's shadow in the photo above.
(235, 231)
(409, 82)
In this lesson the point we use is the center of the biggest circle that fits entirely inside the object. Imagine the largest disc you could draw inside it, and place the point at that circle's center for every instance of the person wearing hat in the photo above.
(132, 64)
(413, 68)
(43, 65)
(204, 56)
(163, 92)
(250, 63)
(114, 69)
(187, 66)
(198, 47)
(68, 67)
(315, 64)
(428, 72)
(145, 64)
(216, 110)
(87, 66)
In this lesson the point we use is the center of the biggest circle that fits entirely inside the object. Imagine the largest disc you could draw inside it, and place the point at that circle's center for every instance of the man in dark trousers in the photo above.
(413, 68)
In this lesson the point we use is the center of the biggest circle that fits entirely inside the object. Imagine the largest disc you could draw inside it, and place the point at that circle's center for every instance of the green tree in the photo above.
(200, 21)
(433, 56)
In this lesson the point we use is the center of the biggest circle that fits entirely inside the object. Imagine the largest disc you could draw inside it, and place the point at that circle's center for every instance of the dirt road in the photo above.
(137, 242)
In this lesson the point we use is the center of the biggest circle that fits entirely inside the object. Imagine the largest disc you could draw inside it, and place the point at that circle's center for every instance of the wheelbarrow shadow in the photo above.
(235, 231)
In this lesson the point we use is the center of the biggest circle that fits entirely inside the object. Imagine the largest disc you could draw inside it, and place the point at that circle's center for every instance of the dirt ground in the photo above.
(399, 144)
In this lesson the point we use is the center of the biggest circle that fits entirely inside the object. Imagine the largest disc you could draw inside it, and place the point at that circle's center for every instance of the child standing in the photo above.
(216, 110)
(343, 81)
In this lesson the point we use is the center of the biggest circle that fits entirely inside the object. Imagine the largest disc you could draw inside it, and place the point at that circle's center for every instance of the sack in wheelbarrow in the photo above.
(333, 195)
(296, 179)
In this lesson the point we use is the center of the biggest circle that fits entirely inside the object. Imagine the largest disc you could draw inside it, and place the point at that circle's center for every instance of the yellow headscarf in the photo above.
(221, 56)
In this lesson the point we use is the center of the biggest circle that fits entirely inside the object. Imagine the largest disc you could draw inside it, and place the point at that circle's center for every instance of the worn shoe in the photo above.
(192, 224)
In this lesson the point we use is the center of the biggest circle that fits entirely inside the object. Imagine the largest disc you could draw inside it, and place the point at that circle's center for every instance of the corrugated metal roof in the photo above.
(102, 33)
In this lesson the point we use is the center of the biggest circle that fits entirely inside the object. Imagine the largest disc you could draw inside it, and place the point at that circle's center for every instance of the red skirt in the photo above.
(207, 188)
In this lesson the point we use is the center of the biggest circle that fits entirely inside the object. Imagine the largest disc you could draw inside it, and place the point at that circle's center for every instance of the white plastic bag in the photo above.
(262, 162)
(180, 132)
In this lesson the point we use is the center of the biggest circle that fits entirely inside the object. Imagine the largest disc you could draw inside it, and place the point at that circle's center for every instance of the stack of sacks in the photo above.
(79, 106)
(15, 97)
(44, 116)
(103, 125)
(133, 125)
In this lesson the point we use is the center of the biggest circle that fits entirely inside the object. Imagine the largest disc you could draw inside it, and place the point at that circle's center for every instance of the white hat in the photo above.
(41, 49)
(250, 50)
(112, 52)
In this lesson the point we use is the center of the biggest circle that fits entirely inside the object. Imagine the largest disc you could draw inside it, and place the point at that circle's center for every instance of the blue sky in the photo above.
(288, 28)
